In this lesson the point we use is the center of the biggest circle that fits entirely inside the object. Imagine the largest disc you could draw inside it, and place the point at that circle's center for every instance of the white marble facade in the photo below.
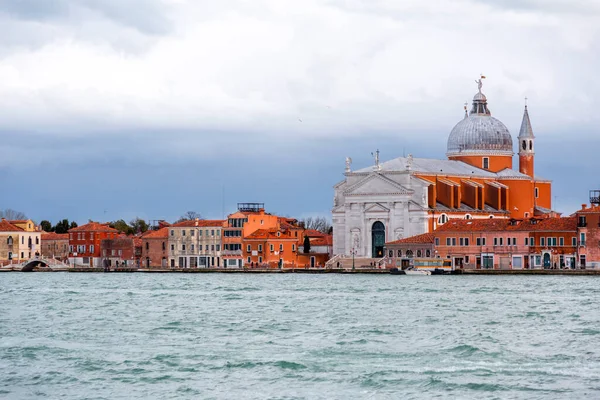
(395, 198)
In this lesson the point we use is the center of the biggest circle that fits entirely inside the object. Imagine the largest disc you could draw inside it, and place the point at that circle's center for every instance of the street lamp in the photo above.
(353, 252)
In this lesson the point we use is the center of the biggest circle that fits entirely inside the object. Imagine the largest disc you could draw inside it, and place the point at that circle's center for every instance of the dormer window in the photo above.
(486, 163)
(442, 219)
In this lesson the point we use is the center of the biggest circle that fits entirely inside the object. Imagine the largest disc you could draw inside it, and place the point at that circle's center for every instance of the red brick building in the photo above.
(155, 250)
(84, 243)
(497, 243)
(588, 235)
(119, 252)
(55, 245)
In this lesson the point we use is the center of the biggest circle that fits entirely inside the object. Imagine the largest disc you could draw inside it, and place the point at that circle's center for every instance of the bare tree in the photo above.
(189, 216)
(320, 224)
(12, 214)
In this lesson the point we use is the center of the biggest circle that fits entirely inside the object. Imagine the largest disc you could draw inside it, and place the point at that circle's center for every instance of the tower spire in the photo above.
(526, 148)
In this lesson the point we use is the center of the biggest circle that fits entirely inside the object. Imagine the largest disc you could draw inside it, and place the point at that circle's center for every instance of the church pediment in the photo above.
(376, 184)
(376, 208)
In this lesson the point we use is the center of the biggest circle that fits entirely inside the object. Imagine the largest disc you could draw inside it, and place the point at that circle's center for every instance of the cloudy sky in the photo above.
(115, 109)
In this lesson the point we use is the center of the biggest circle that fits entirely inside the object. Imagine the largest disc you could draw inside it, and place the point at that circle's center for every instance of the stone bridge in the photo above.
(38, 264)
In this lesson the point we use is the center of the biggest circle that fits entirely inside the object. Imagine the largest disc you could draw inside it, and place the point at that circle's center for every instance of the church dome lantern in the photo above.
(479, 134)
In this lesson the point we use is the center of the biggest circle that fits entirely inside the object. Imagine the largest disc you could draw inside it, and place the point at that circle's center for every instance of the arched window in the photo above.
(409, 254)
(9, 241)
(419, 253)
(399, 253)
(491, 217)
(524, 145)
(468, 216)
(391, 253)
(147, 246)
(427, 253)
(442, 219)
(37, 240)
(531, 145)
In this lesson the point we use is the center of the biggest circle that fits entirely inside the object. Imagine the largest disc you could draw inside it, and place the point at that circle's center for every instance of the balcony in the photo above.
(231, 253)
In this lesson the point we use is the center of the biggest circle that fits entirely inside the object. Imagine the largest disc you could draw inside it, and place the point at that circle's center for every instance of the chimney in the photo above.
(583, 206)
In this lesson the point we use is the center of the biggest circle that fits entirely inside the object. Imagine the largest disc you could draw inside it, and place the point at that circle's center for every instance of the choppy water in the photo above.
(113, 336)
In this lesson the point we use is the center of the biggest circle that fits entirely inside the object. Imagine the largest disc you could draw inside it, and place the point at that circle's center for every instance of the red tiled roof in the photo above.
(589, 209)
(474, 225)
(326, 240)
(6, 226)
(312, 233)
(425, 238)
(563, 224)
(18, 221)
(558, 224)
(94, 227)
(199, 223)
(54, 236)
(158, 234)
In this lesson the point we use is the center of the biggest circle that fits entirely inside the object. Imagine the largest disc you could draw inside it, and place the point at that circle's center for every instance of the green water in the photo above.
(240, 336)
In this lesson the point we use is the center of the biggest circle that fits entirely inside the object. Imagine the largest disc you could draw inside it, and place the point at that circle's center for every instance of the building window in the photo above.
(91, 248)
(478, 241)
(486, 163)
(582, 261)
(537, 192)
(461, 241)
(172, 232)
(280, 247)
(554, 241)
(495, 241)
(526, 241)
(183, 247)
(561, 241)
(466, 259)
(574, 242)
(442, 219)
(192, 233)
(419, 253)
(260, 259)
(453, 241)
(9, 241)
(526, 215)
(212, 232)
(428, 253)
(172, 247)
(163, 246)
(466, 241)
(278, 234)
(249, 248)
(399, 253)
(448, 242)
(147, 246)
(582, 239)
(260, 248)
(437, 241)
(212, 247)
(293, 247)
(468, 216)
(249, 260)
(272, 248)
(391, 253)
(193, 247)
(199, 232)
(183, 232)
(542, 241)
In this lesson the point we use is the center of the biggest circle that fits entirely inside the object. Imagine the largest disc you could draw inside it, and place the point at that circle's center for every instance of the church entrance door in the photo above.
(378, 239)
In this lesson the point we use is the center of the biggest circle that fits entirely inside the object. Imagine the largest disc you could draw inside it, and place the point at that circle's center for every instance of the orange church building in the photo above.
(408, 196)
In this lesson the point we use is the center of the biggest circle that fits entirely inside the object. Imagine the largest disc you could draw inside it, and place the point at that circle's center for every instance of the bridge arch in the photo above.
(30, 265)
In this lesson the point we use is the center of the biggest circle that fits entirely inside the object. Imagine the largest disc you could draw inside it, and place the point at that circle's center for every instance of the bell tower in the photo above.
(526, 147)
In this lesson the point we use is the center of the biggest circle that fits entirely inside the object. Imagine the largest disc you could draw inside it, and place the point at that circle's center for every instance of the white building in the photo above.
(374, 205)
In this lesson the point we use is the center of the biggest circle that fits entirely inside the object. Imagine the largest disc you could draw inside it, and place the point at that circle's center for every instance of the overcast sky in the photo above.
(114, 109)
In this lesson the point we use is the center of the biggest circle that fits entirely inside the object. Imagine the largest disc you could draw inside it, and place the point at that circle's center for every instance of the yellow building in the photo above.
(20, 240)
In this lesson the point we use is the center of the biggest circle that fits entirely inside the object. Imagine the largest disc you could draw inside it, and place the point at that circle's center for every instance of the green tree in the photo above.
(73, 225)
(46, 226)
(62, 226)
(306, 244)
(122, 227)
(138, 225)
